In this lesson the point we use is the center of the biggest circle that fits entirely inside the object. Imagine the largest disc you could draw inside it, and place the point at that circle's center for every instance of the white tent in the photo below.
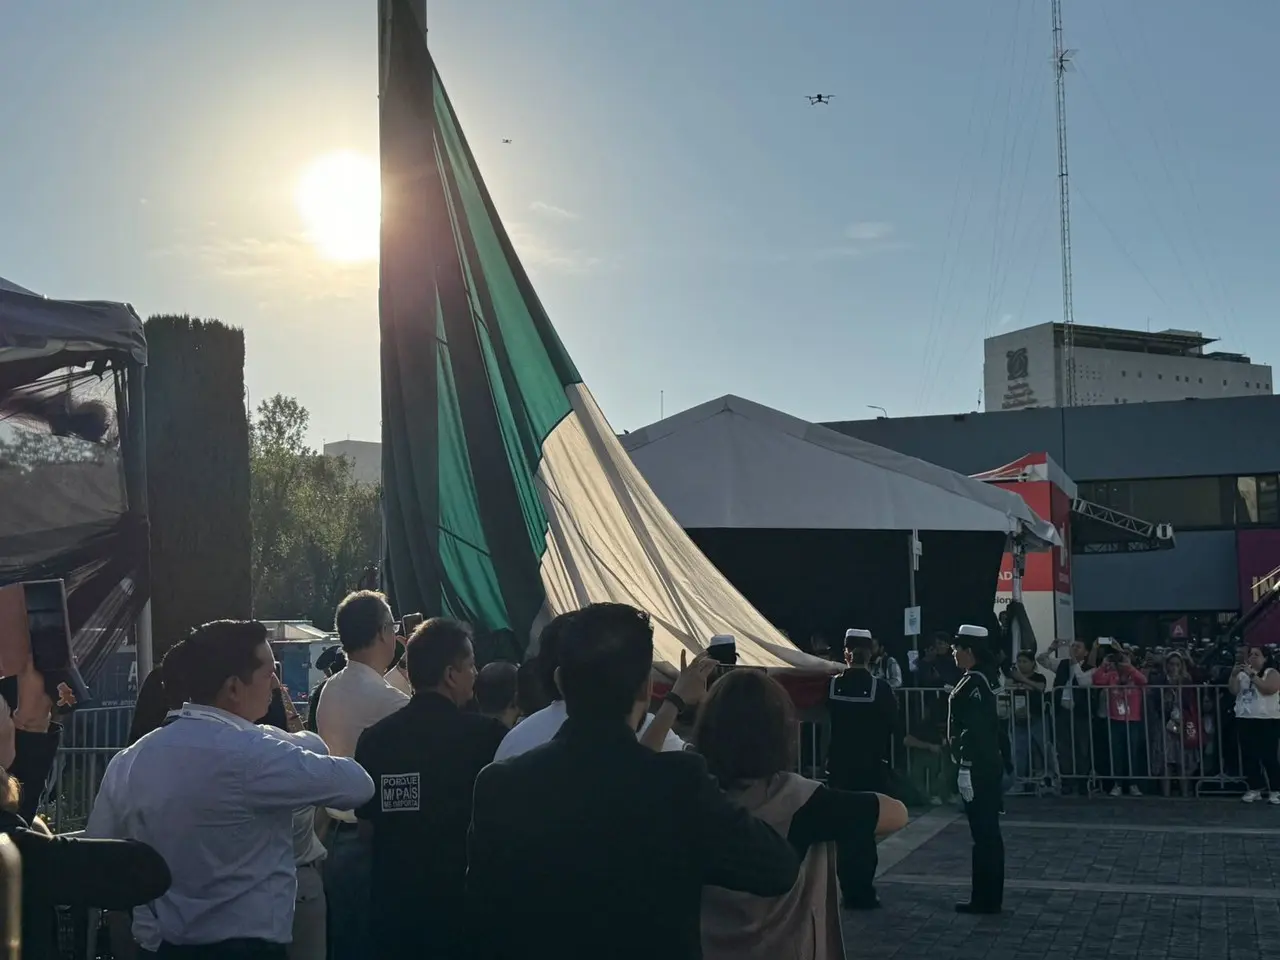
(733, 463)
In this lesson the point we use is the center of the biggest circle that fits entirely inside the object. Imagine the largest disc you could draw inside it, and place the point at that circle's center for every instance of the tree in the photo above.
(315, 528)
(197, 475)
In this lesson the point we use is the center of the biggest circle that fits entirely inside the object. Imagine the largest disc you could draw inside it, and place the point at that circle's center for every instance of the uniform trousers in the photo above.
(983, 812)
(856, 860)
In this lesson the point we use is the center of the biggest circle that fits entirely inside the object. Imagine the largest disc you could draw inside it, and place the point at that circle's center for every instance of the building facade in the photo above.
(365, 457)
(1211, 468)
(1025, 369)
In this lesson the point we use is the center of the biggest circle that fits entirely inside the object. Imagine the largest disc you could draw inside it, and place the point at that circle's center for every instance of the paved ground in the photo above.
(1089, 879)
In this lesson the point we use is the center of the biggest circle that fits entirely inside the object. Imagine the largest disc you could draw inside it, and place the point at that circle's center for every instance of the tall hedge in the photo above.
(197, 475)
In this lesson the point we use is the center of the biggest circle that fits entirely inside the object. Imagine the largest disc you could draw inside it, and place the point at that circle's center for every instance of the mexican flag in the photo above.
(507, 498)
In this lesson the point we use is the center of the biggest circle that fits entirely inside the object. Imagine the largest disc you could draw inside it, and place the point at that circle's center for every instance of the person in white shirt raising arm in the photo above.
(1073, 713)
(355, 698)
(214, 794)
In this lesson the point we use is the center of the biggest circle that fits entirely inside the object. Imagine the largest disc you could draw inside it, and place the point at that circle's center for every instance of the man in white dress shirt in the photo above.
(355, 698)
(215, 795)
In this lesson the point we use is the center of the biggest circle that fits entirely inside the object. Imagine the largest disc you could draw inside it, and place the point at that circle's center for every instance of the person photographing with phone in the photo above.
(973, 730)
(1124, 714)
(1256, 685)
(59, 871)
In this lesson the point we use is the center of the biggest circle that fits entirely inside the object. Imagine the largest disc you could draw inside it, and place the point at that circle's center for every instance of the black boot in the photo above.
(977, 909)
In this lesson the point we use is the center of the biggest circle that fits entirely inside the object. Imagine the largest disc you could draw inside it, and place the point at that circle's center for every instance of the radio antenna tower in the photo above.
(1061, 66)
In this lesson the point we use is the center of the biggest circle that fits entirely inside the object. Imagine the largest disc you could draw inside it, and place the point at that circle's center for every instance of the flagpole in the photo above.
(419, 8)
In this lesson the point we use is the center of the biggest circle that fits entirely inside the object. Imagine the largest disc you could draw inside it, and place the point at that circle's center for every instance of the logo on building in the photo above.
(1016, 363)
(1019, 393)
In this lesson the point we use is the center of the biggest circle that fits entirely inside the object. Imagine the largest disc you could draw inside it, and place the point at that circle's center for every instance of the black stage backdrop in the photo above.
(825, 581)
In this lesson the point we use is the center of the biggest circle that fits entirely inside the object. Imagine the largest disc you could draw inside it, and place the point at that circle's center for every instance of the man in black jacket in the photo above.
(593, 846)
(423, 760)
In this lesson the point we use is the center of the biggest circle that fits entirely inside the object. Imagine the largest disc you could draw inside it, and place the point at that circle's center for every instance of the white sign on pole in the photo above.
(911, 621)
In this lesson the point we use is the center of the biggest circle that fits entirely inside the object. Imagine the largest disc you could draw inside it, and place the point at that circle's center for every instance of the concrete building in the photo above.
(1024, 369)
(365, 457)
(1211, 468)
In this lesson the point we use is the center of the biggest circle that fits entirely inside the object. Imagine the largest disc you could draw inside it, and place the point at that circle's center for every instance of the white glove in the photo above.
(964, 780)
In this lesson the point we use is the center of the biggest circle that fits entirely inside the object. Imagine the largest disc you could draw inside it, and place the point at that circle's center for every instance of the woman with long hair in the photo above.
(1173, 728)
(1256, 685)
(746, 731)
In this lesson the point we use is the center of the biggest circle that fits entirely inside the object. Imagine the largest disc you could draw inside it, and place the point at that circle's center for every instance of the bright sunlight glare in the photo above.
(339, 199)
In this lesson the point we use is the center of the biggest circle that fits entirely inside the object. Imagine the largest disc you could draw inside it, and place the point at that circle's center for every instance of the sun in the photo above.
(339, 200)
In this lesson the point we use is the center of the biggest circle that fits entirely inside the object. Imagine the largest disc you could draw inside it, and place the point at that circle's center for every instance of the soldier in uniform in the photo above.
(973, 730)
(864, 720)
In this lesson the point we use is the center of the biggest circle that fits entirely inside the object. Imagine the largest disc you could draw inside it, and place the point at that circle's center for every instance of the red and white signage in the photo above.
(1046, 583)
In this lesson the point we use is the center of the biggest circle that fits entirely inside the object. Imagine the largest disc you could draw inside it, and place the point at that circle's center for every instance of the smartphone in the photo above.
(409, 623)
(35, 630)
(49, 628)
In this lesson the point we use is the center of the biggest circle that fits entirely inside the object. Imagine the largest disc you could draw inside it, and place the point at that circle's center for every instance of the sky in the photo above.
(693, 226)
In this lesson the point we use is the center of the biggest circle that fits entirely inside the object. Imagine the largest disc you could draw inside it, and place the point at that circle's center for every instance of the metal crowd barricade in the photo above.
(1160, 739)
(90, 738)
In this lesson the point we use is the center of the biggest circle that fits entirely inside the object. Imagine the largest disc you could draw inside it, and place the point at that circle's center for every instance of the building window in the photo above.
(1257, 500)
(1123, 373)
(1185, 502)
(1202, 379)
(1159, 376)
(1246, 384)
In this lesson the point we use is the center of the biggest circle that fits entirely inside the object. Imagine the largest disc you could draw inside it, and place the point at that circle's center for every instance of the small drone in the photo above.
(817, 98)
(505, 140)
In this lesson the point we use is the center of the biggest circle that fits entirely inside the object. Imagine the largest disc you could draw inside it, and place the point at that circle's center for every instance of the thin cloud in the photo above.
(286, 266)
(868, 231)
(865, 238)
(552, 211)
(536, 251)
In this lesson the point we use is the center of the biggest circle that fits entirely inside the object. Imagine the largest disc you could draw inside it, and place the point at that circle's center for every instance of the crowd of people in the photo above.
(1095, 717)
(1118, 717)
(547, 808)
(426, 807)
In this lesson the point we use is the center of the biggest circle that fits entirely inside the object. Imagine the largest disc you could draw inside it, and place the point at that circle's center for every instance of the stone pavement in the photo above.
(1096, 879)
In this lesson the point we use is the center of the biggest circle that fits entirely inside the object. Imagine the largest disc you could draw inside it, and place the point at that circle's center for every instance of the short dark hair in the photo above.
(436, 645)
(173, 676)
(531, 695)
(606, 654)
(359, 619)
(496, 686)
(548, 658)
(746, 728)
(216, 652)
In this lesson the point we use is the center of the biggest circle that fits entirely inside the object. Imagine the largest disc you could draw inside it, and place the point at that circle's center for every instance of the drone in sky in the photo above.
(505, 140)
(817, 98)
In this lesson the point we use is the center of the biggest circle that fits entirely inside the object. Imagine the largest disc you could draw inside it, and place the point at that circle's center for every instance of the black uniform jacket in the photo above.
(973, 724)
(423, 760)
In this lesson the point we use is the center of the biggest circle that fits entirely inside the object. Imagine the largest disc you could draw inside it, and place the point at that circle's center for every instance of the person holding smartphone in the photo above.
(1256, 685)
(60, 871)
(1072, 686)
